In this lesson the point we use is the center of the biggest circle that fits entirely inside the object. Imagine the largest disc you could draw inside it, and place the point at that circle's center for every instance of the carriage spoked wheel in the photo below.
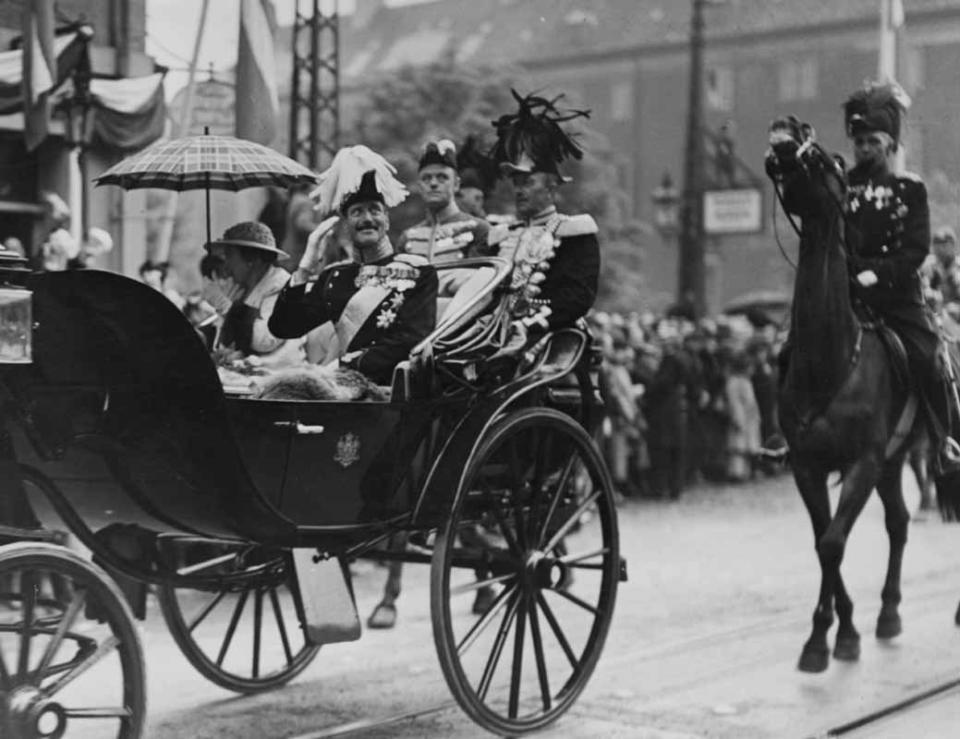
(241, 630)
(536, 523)
(70, 658)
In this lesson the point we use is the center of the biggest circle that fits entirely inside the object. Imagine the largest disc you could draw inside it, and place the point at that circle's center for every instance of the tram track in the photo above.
(889, 710)
(699, 644)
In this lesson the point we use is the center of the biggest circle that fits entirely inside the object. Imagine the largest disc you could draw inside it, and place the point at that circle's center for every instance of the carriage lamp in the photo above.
(16, 314)
(666, 201)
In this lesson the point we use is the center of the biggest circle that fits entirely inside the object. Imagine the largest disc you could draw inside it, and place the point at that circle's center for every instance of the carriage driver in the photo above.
(888, 238)
(382, 304)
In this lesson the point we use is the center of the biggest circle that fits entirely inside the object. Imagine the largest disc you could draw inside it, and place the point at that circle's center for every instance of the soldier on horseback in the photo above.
(888, 239)
(887, 227)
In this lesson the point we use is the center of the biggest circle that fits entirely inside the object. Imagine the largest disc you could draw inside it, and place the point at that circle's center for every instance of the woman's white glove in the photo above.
(221, 293)
(316, 243)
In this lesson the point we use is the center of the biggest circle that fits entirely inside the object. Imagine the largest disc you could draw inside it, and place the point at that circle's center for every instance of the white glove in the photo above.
(316, 242)
(221, 293)
(867, 278)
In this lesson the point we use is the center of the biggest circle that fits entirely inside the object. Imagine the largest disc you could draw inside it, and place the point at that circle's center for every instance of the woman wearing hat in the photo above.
(246, 290)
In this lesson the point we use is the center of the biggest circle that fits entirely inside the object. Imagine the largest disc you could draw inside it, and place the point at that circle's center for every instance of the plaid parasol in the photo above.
(206, 162)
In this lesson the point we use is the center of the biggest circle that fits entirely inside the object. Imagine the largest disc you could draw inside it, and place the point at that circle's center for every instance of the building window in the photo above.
(720, 88)
(621, 101)
(798, 79)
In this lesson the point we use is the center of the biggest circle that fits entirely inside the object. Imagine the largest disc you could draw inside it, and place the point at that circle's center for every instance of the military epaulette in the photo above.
(498, 233)
(912, 176)
(412, 260)
(581, 225)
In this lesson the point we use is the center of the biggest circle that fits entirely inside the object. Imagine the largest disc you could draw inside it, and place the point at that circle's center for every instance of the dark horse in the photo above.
(840, 403)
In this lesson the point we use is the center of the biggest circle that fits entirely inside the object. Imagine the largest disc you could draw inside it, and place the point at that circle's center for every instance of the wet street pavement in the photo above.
(704, 642)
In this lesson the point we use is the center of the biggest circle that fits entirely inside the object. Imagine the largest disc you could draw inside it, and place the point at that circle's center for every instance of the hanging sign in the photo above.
(733, 211)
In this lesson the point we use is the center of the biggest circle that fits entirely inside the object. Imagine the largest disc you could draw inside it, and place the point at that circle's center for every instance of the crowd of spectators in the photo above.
(686, 401)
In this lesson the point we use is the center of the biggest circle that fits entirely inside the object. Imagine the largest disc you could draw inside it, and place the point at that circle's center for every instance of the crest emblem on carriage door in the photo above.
(348, 450)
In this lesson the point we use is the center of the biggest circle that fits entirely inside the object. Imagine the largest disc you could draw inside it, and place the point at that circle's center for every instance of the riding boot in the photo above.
(939, 400)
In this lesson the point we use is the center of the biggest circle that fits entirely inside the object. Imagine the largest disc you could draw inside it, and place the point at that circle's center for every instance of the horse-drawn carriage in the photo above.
(243, 513)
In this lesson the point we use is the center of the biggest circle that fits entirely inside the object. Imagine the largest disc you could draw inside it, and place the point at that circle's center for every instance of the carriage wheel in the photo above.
(243, 633)
(540, 500)
(70, 658)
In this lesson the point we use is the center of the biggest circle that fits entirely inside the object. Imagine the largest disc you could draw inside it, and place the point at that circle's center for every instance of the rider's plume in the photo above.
(876, 107)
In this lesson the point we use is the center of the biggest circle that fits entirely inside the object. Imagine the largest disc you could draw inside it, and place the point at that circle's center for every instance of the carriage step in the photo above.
(329, 612)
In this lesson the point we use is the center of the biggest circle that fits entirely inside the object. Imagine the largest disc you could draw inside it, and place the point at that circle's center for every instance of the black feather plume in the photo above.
(535, 129)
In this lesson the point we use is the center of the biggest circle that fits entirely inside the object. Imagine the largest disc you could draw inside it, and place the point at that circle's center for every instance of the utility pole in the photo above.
(691, 288)
(315, 87)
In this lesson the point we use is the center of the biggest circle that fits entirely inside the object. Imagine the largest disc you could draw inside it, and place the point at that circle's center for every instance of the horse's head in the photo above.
(795, 155)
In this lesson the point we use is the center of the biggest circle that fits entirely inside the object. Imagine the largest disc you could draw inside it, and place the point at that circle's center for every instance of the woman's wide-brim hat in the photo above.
(249, 235)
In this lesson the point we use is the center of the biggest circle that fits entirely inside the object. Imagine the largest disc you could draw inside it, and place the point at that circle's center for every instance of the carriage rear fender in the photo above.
(564, 350)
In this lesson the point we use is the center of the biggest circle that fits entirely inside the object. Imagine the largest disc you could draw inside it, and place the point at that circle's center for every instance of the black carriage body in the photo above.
(125, 412)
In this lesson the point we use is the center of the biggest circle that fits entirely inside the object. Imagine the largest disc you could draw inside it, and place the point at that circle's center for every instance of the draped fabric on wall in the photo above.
(128, 114)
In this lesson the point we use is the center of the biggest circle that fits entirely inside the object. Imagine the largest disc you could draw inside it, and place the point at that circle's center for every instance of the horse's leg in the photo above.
(384, 616)
(918, 458)
(813, 490)
(896, 518)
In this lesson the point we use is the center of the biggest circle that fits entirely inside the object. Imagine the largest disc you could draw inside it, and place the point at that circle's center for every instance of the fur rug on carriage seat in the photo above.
(316, 382)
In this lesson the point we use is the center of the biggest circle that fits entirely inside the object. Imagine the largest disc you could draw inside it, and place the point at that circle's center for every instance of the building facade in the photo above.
(628, 61)
(117, 50)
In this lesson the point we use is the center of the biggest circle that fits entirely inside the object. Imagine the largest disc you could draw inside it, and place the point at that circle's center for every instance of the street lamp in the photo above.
(79, 129)
(666, 200)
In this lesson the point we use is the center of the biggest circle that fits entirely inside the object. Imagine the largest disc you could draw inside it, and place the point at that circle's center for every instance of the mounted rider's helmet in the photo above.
(876, 107)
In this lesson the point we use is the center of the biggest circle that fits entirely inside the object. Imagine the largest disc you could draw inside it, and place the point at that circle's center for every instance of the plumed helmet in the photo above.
(357, 174)
(442, 152)
(532, 139)
(876, 107)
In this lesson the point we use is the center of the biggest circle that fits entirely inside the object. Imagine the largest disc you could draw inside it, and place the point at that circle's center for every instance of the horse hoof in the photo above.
(847, 650)
(813, 660)
(384, 616)
(889, 627)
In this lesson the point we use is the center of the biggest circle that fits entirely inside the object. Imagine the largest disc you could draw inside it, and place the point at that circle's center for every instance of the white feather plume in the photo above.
(345, 173)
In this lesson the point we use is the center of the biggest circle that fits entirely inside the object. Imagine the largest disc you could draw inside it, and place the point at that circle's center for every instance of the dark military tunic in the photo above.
(556, 266)
(390, 326)
(888, 232)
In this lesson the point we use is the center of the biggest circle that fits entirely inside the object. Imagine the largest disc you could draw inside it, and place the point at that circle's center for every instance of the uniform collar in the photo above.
(542, 217)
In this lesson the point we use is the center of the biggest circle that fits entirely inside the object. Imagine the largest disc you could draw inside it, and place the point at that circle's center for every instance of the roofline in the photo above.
(726, 39)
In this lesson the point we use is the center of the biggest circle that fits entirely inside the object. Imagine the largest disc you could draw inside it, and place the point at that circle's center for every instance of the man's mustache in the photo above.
(367, 224)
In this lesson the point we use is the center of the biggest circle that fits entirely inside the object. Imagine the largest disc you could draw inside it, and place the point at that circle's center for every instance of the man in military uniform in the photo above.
(556, 257)
(446, 233)
(382, 305)
(888, 237)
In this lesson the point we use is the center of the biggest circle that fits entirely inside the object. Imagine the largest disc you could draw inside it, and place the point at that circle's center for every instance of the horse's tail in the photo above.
(948, 496)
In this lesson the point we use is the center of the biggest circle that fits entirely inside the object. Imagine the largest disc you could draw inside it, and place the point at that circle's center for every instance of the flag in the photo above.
(39, 69)
(891, 32)
(257, 105)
